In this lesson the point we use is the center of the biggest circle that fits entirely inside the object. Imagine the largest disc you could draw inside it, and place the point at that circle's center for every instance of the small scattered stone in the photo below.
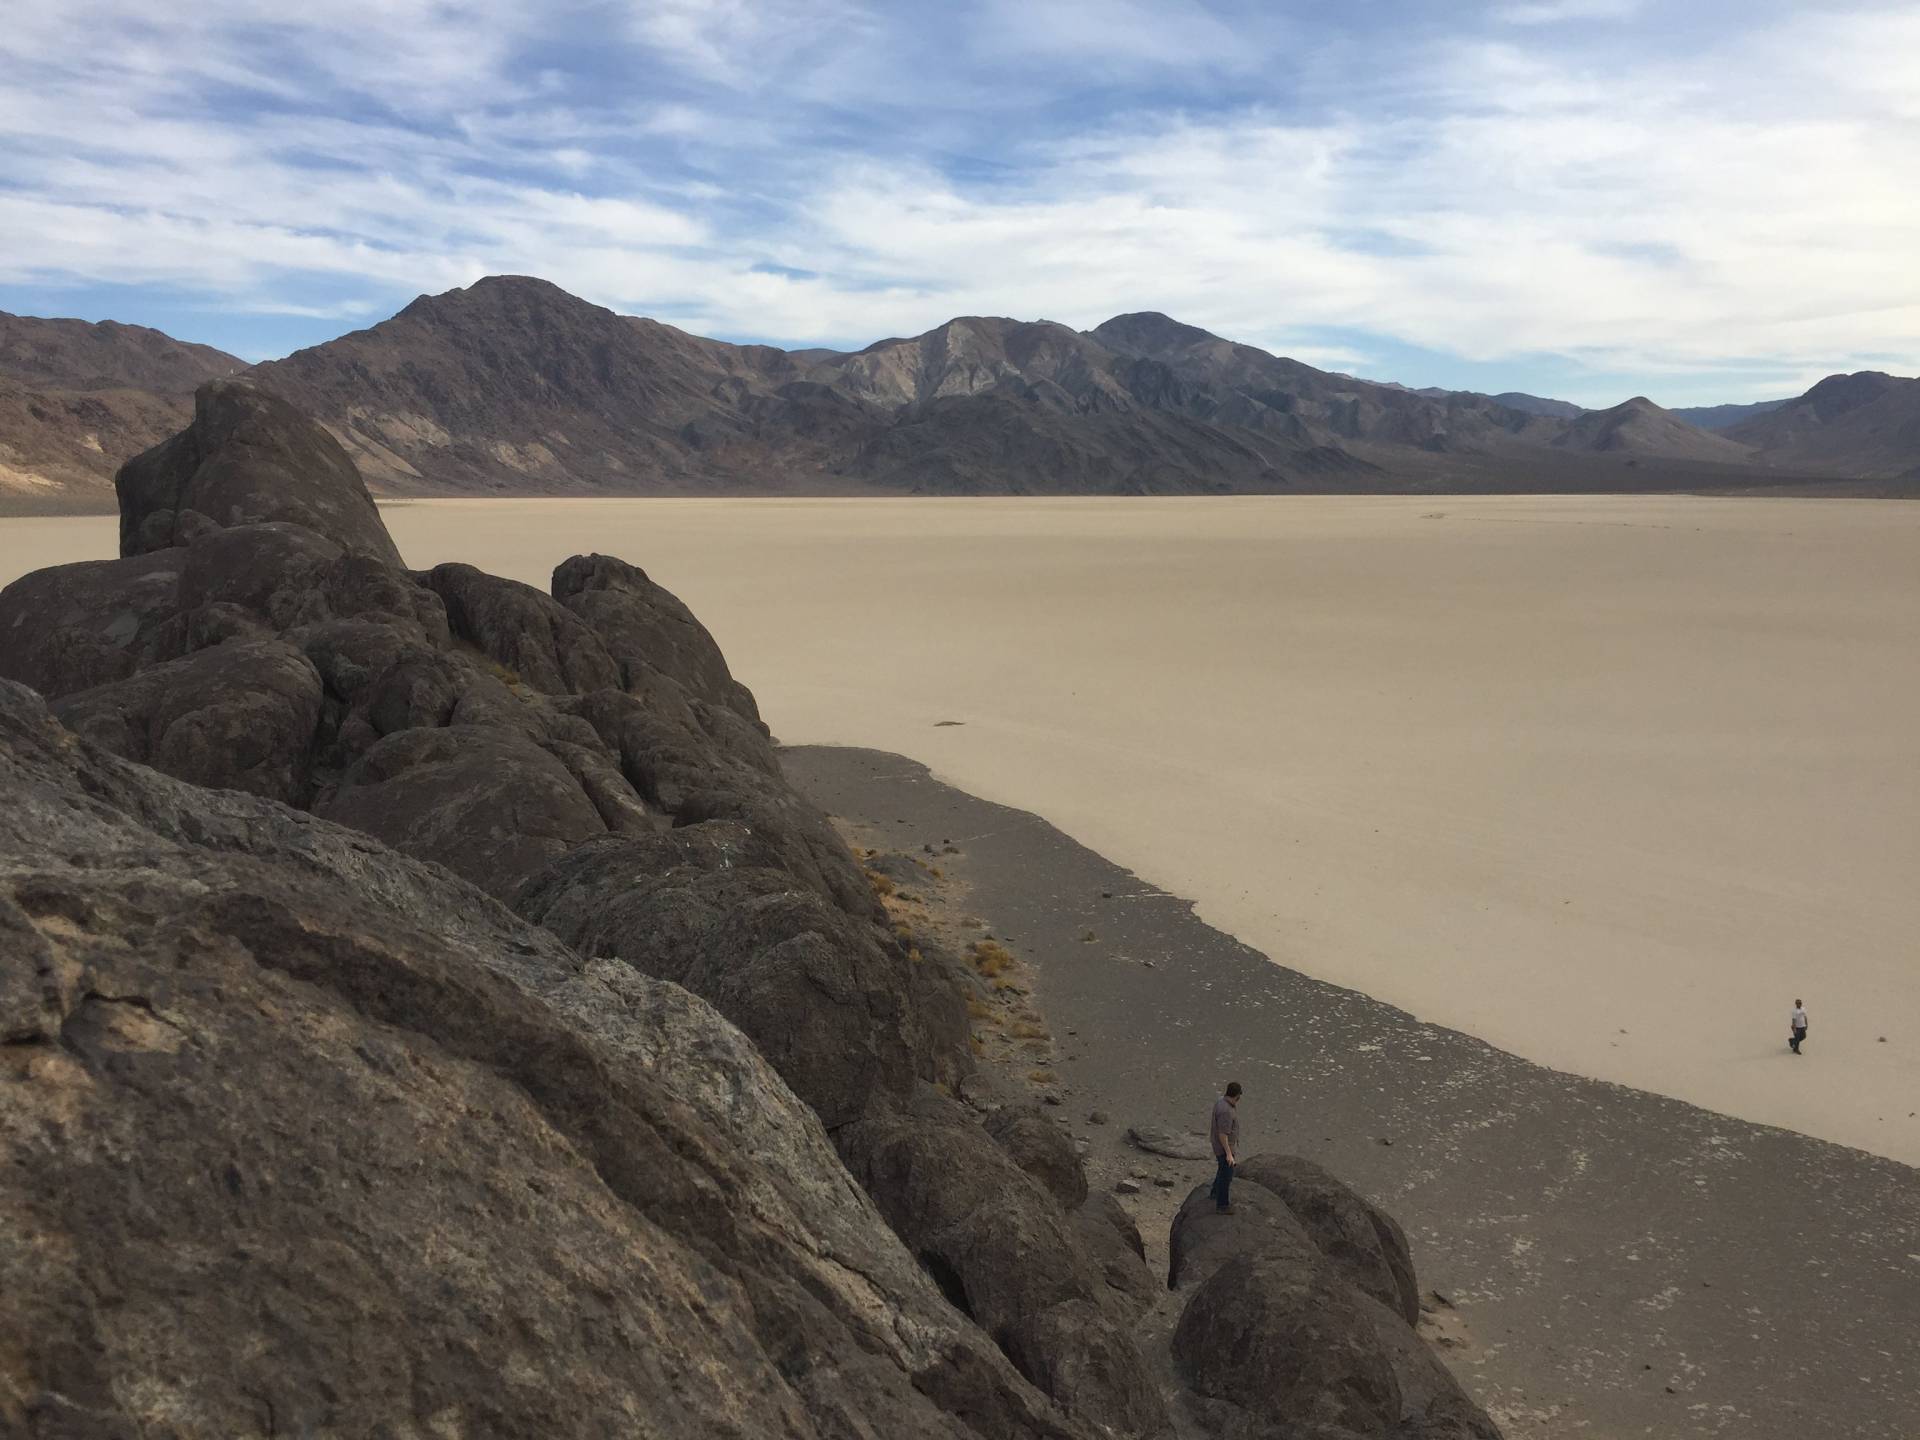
(1383, 1140)
(1097, 1117)
(1106, 894)
(1163, 1182)
(1125, 1187)
(1050, 1099)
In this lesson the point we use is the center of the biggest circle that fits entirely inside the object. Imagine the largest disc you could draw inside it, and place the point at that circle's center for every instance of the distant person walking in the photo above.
(1796, 1027)
(1224, 1131)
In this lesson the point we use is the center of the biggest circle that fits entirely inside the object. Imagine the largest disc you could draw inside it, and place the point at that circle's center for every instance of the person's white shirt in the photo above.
(1798, 1020)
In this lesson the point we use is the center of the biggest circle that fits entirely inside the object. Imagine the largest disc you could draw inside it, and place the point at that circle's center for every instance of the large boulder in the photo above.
(239, 716)
(1286, 1351)
(489, 804)
(529, 635)
(72, 627)
(1364, 1241)
(1281, 1336)
(1112, 1243)
(847, 1015)
(247, 457)
(1043, 1149)
(1000, 1248)
(648, 629)
(1201, 1239)
(302, 1136)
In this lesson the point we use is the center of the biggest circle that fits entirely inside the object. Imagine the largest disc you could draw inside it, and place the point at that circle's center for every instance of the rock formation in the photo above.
(1300, 1321)
(427, 1009)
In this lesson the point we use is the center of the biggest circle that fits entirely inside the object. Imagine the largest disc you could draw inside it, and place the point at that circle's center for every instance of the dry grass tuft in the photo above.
(1029, 1030)
(991, 958)
(1042, 1077)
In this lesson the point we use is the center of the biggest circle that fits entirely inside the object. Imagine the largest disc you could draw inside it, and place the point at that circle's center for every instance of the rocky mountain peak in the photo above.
(1148, 333)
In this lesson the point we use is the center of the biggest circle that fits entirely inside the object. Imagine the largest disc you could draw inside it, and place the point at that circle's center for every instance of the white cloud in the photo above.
(1651, 214)
(1557, 12)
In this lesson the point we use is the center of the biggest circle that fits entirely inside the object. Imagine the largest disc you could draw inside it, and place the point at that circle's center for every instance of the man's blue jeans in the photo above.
(1221, 1181)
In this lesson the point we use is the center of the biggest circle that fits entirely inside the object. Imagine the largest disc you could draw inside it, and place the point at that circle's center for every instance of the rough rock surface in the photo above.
(1041, 1148)
(248, 456)
(841, 1009)
(1284, 1334)
(239, 716)
(587, 754)
(1005, 1255)
(302, 1136)
(1112, 1241)
(1363, 1240)
(1169, 1144)
(71, 627)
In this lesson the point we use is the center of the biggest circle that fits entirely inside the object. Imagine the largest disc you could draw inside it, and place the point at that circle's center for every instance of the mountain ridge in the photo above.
(512, 385)
(78, 397)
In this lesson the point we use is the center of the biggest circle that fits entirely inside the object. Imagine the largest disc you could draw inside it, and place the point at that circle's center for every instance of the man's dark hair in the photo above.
(1233, 1089)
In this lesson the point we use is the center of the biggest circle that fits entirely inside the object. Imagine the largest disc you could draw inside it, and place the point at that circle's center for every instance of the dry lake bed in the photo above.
(1606, 781)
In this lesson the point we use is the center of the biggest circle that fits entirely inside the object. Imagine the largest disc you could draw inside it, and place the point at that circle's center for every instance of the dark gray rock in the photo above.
(847, 1016)
(1285, 1350)
(1112, 1242)
(1281, 1339)
(1365, 1242)
(997, 1244)
(1077, 1354)
(247, 457)
(489, 804)
(238, 716)
(72, 627)
(1043, 1149)
(1433, 1406)
(1202, 1240)
(648, 629)
(1168, 1143)
(271, 569)
(532, 636)
(678, 769)
(304, 1136)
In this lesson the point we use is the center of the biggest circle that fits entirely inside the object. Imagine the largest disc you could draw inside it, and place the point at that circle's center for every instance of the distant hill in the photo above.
(513, 386)
(77, 398)
(1724, 417)
(1866, 424)
(1536, 405)
(1638, 427)
(77, 355)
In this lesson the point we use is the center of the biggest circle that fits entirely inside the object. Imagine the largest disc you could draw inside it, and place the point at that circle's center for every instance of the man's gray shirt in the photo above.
(1225, 1130)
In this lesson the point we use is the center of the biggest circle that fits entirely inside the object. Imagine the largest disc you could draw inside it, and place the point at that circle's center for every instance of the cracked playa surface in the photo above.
(1617, 1263)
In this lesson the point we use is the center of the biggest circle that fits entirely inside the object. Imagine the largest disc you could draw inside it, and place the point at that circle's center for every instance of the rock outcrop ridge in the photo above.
(516, 1051)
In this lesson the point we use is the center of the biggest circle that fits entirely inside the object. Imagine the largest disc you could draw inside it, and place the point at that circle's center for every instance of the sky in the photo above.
(1699, 201)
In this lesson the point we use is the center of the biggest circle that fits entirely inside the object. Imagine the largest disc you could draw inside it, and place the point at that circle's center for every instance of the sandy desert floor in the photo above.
(1605, 781)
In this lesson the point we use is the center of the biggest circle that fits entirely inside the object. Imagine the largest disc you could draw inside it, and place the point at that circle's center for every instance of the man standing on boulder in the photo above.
(1224, 1131)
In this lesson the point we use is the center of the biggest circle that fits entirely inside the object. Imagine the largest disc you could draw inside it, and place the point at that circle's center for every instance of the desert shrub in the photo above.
(991, 958)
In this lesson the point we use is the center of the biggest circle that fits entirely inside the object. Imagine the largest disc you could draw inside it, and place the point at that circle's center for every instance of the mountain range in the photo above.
(513, 386)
